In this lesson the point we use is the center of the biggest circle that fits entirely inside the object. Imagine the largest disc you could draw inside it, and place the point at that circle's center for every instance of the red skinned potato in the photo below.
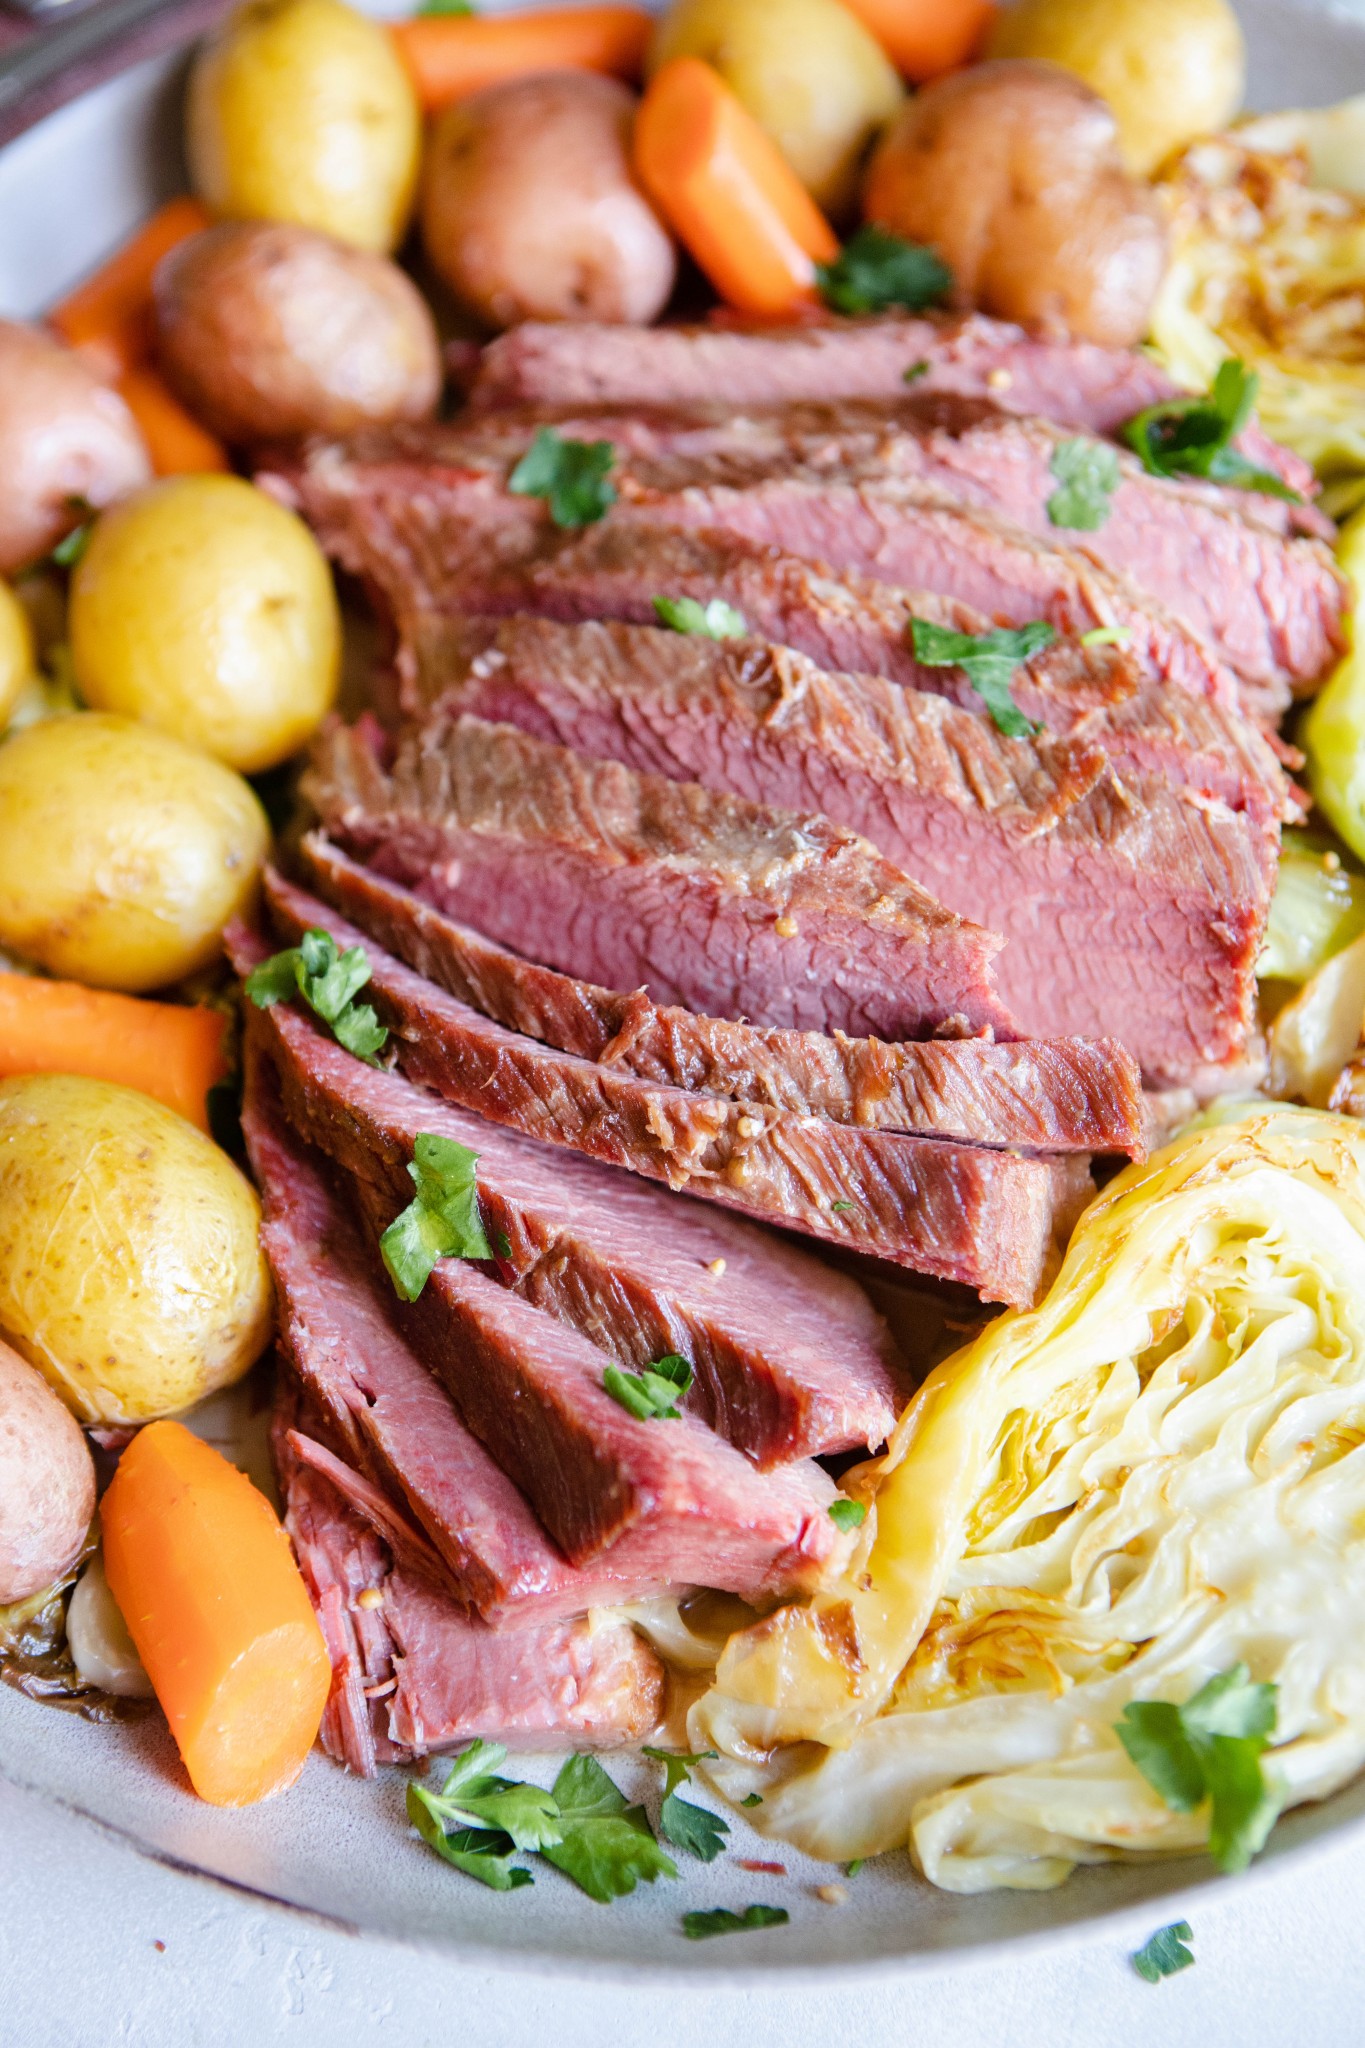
(266, 330)
(529, 211)
(67, 442)
(1011, 171)
(47, 1482)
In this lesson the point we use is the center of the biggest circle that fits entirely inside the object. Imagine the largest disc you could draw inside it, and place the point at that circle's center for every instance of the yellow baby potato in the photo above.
(131, 1273)
(203, 607)
(123, 852)
(300, 110)
(16, 652)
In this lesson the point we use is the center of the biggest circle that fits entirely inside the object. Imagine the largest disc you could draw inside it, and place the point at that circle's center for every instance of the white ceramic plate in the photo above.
(70, 190)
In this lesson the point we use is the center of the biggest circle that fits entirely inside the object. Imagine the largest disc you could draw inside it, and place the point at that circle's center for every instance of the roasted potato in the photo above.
(266, 330)
(528, 207)
(123, 852)
(1170, 69)
(1011, 172)
(203, 607)
(16, 652)
(67, 443)
(812, 76)
(130, 1269)
(47, 1482)
(300, 110)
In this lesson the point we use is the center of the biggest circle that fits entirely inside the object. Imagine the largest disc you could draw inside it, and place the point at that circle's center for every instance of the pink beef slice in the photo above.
(1057, 1095)
(415, 1673)
(721, 904)
(1127, 910)
(790, 1358)
(987, 1219)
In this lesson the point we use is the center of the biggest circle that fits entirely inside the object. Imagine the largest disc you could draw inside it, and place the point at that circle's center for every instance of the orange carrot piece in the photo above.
(727, 193)
(176, 442)
(450, 56)
(205, 1579)
(60, 1027)
(925, 38)
(109, 317)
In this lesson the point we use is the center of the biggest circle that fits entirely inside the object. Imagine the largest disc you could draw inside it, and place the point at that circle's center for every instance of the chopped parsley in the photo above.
(687, 1826)
(459, 7)
(442, 1220)
(571, 476)
(701, 1926)
(605, 1844)
(1165, 1953)
(1195, 436)
(838, 1208)
(752, 1799)
(479, 1822)
(852, 1869)
(503, 1243)
(989, 661)
(717, 620)
(73, 545)
(876, 270)
(652, 1395)
(847, 1514)
(1210, 1749)
(1106, 636)
(916, 371)
(1087, 475)
(329, 982)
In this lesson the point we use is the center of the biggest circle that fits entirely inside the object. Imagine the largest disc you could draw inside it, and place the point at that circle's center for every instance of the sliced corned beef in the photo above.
(1059, 1095)
(1128, 911)
(721, 904)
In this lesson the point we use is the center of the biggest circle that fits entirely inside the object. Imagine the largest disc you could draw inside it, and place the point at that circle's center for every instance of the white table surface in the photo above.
(99, 1946)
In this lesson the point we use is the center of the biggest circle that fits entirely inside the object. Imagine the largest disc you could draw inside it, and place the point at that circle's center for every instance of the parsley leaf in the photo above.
(652, 1395)
(1211, 1748)
(1087, 474)
(441, 1222)
(1194, 436)
(699, 1926)
(1106, 636)
(606, 1846)
(1165, 1953)
(571, 476)
(916, 371)
(73, 545)
(687, 1826)
(847, 1514)
(329, 982)
(459, 7)
(875, 270)
(478, 1821)
(717, 620)
(752, 1799)
(989, 662)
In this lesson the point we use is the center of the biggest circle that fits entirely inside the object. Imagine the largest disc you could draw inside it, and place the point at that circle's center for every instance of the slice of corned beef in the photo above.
(1076, 383)
(790, 1358)
(413, 1673)
(721, 904)
(1058, 1095)
(1128, 912)
(916, 1201)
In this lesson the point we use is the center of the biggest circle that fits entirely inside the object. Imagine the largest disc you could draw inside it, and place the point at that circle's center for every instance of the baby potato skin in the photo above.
(529, 211)
(123, 852)
(16, 652)
(269, 330)
(203, 607)
(131, 1273)
(66, 442)
(47, 1482)
(300, 110)
(1010, 171)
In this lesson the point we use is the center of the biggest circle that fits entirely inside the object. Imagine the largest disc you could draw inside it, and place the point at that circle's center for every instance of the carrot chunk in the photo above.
(61, 1027)
(450, 56)
(109, 317)
(176, 442)
(204, 1576)
(926, 38)
(723, 187)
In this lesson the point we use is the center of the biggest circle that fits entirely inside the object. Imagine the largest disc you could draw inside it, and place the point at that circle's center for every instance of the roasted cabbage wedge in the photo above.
(1153, 1477)
(1317, 909)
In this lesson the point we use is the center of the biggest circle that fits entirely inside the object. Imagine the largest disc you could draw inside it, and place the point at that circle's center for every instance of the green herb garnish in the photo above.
(875, 271)
(1211, 1748)
(1087, 474)
(989, 661)
(456, 7)
(328, 981)
(73, 545)
(605, 1844)
(442, 1220)
(687, 1826)
(1194, 436)
(752, 1799)
(1165, 1953)
(652, 1395)
(571, 476)
(852, 1869)
(478, 1821)
(838, 1208)
(700, 1926)
(916, 371)
(847, 1514)
(1106, 636)
(717, 620)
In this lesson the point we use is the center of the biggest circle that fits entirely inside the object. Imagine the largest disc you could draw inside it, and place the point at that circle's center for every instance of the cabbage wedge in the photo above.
(1153, 1477)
